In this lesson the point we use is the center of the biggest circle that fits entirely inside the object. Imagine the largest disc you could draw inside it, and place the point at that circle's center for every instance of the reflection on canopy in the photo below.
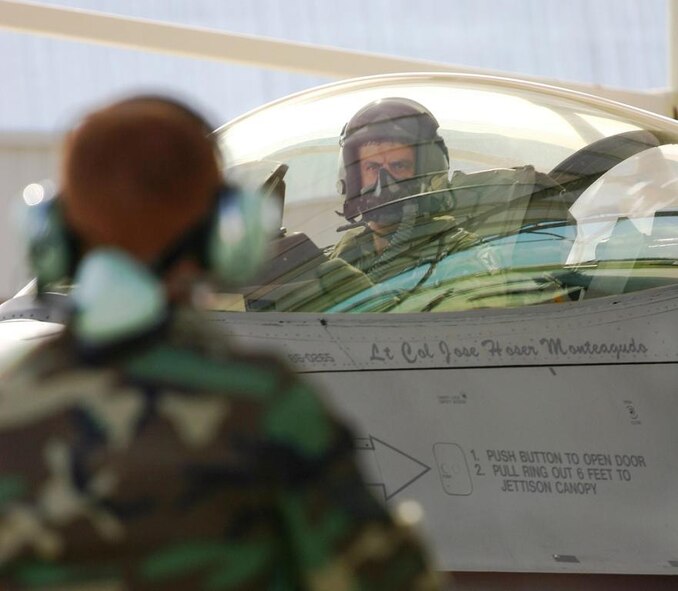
(636, 189)
(559, 198)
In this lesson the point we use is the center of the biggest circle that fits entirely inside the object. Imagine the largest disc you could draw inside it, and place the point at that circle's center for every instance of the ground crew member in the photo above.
(141, 447)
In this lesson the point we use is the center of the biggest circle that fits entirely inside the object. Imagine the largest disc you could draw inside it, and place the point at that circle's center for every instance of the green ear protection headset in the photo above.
(230, 242)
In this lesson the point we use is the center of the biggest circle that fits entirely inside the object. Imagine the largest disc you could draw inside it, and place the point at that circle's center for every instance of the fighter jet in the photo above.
(482, 276)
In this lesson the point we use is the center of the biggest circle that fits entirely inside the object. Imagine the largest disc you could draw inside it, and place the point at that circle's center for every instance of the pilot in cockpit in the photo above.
(394, 178)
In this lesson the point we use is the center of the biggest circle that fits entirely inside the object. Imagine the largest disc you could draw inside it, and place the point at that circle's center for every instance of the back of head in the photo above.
(137, 174)
(397, 120)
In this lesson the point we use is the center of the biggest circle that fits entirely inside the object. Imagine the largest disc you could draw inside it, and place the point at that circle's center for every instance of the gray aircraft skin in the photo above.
(518, 406)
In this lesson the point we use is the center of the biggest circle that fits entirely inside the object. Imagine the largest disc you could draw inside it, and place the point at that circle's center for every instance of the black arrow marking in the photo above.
(389, 463)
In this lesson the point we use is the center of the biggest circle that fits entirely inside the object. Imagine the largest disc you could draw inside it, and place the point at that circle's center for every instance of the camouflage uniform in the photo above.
(180, 463)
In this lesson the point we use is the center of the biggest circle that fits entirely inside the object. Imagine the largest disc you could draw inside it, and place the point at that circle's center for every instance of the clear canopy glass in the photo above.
(548, 196)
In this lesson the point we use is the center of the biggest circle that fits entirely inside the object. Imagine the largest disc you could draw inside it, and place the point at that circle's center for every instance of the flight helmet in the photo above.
(399, 120)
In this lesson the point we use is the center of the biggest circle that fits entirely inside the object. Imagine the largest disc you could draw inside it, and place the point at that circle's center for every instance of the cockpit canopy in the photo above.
(550, 196)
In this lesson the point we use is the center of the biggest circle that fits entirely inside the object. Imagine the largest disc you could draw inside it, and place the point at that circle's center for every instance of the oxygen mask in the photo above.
(382, 202)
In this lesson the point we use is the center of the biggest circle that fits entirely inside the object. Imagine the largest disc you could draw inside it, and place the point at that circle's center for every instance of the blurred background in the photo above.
(618, 48)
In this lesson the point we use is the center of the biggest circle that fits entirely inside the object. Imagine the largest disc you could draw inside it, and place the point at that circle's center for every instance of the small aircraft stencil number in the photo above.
(311, 358)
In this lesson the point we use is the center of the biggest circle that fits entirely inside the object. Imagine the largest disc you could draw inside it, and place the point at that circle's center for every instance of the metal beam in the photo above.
(249, 50)
(672, 31)
(196, 42)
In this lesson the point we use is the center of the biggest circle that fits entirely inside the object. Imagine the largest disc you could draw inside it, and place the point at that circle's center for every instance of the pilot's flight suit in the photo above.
(513, 196)
(429, 240)
(431, 234)
(180, 463)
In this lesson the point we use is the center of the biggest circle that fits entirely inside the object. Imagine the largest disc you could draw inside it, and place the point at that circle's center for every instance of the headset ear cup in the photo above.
(116, 299)
(244, 224)
(52, 248)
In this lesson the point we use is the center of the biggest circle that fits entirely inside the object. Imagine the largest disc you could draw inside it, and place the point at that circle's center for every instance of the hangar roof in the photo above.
(616, 43)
